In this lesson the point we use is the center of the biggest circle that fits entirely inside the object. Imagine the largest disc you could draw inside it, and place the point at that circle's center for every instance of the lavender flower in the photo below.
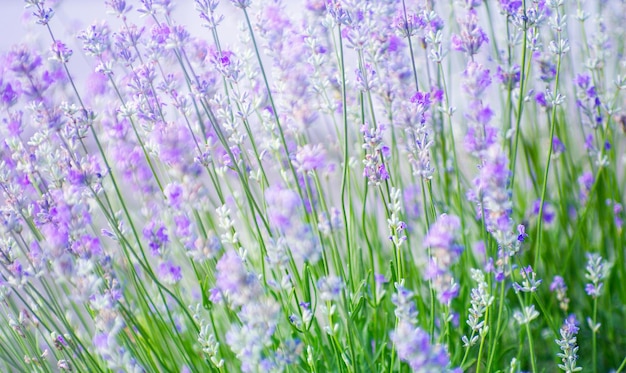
(233, 280)
(585, 181)
(330, 288)
(413, 347)
(558, 286)
(366, 79)
(510, 7)
(310, 158)
(241, 3)
(60, 52)
(118, 7)
(476, 79)
(259, 320)
(494, 197)
(411, 342)
(174, 193)
(568, 345)
(617, 212)
(522, 235)
(169, 273)
(405, 306)
(548, 213)
(588, 101)
(596, 271)
(95, 40)
(282, 204)
(481, 300)
(526, 315)
(43, 14)
(156, 233)
(509, 76)
(557, 146)
(445, 251)
(529, 283)
(480, 134)
(376, 152)
(472, 36)
(414, 116)
(396, 226)
(210, 346)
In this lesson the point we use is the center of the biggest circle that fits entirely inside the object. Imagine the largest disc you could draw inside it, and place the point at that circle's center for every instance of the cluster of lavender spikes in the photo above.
(215, 199)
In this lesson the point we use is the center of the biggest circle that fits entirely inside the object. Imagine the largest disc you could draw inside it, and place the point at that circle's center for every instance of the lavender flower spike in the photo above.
(445, 251)
(414, 347)
(568, 345)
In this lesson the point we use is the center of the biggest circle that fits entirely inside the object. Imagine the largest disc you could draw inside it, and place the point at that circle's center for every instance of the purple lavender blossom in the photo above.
(511, 7)
(476, 79)
(414, 116)
(589, 143)
(471, 37)
(529, 281)
(174, 193)
(410, 24)
(373, 168)
(282, 206)
(547, 68)
(234, 281)
(309, 158)
(60, 52)
(405, 310)
(509, 77)
(548, 213)
(558, 283)
(87, 246)
(169, 273)
(8, 95)
(617, 212)
(541, 100)
(445, 251)
(558, 286)
(494, 196)
(243, 4)
(588, 101)
(522, 235)
(174, 141)
(585, 181)
(557, 146)
(413, 347)
(156, 234)
(330, 288)
(366, 78)
(480, 134)
(119, 7)
(96, 40)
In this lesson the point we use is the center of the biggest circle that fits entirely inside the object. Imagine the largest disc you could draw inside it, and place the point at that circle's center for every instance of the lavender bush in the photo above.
(315, 186)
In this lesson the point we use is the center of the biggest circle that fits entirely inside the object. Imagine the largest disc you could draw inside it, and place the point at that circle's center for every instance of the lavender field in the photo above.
(313, 186)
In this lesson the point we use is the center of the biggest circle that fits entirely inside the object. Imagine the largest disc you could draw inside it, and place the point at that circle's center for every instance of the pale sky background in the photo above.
(74, 15)
(17, 25)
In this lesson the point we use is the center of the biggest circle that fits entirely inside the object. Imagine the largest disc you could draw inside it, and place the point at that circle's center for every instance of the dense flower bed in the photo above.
(315, 185)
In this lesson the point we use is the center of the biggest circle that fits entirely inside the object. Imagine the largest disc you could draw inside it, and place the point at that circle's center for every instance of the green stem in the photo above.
(544, 188)
(520, 102)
